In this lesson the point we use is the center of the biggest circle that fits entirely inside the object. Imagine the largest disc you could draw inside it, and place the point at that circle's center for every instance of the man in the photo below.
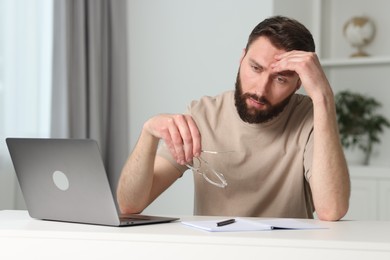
(279, 151)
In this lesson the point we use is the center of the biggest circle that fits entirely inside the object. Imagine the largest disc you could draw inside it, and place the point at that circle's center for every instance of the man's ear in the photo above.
(299, 84)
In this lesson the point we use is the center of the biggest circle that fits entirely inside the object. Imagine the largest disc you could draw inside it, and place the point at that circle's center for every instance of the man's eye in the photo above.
(280, 79)
(255, 68)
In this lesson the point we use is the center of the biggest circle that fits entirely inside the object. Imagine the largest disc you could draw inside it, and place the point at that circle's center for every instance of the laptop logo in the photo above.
(60, 180)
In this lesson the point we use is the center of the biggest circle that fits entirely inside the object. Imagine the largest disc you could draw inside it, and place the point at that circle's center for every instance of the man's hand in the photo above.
(309, 70)
(180, 134)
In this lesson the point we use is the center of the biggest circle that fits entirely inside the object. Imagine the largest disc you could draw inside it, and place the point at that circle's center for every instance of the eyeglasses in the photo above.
(202, 167)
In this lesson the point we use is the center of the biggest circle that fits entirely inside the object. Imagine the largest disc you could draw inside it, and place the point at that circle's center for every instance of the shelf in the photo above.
(355, 61)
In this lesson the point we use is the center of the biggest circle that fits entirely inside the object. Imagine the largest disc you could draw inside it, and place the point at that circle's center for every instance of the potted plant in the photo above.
(359, 123)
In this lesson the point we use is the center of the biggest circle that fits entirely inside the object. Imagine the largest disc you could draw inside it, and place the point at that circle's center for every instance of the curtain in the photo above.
(25, 82)
(89, 94)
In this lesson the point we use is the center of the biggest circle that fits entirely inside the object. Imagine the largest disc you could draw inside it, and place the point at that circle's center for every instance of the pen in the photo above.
(226, 222)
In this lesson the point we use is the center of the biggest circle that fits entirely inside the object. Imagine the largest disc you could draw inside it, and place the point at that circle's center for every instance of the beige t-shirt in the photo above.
(268, 172)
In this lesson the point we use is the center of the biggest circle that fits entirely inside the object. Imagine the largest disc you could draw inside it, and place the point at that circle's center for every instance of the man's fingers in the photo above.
(183, 135)
(196, 138)
(180, 134)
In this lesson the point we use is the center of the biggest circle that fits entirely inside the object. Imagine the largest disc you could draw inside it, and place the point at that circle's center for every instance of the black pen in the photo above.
(226, 222)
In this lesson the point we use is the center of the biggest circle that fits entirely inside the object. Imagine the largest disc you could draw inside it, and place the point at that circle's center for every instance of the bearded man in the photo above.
(262, 150)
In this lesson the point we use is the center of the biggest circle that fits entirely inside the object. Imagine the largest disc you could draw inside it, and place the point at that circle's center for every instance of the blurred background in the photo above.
(99, 69)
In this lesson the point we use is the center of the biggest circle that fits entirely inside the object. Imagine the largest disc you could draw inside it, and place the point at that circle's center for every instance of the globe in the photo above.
(359, 32)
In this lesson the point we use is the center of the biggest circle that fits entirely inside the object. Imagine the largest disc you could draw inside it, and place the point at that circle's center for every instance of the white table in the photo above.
(22, 237)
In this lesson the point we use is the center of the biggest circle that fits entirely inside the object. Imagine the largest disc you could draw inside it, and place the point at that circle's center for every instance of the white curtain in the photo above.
(25, 82)
(90, 77)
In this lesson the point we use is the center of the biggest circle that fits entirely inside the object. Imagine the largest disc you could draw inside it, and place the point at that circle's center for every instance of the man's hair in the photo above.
(284, 33)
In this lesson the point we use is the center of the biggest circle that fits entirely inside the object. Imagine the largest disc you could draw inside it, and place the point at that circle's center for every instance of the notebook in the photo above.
(254, 224)
(65, 180)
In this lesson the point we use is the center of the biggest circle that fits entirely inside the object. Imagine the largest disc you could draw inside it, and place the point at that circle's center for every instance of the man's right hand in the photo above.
(179, 132)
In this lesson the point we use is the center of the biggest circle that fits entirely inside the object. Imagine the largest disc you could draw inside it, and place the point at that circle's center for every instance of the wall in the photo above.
(180, 51)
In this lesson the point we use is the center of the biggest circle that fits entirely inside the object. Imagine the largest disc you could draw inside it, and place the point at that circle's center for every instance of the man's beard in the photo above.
(252, 115)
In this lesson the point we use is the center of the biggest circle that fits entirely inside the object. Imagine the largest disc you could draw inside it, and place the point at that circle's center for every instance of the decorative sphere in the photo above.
(359, 31)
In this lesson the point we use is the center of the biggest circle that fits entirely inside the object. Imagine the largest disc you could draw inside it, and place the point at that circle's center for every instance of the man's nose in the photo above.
(263, 85)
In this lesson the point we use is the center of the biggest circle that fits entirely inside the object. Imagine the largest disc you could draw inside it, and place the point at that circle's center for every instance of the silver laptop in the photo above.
(65, 180)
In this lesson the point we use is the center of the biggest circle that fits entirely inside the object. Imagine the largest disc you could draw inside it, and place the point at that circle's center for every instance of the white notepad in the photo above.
(242, 224)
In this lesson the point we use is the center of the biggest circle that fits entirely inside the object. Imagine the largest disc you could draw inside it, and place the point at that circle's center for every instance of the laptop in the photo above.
(65, 180)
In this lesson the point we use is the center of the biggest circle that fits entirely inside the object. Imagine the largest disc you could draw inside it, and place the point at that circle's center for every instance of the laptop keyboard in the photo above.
(133, 217)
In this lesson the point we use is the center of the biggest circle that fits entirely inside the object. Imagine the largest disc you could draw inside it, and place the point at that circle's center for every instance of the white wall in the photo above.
(180, 51)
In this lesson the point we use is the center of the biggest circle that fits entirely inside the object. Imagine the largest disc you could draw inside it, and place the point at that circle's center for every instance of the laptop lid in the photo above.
(65, 180)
